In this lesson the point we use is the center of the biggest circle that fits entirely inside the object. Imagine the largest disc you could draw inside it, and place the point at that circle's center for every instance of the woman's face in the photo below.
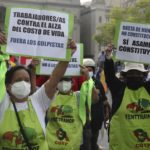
(20, 87)
(20, 75)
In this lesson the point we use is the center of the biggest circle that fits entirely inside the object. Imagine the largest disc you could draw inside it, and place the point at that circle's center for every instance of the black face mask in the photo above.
(134, 82)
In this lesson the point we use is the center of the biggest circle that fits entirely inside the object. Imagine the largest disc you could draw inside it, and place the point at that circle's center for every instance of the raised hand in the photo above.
(72, 46)
(84, 71)
(109, 50)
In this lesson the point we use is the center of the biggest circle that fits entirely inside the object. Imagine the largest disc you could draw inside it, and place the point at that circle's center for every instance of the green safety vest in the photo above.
(10, 135)
(86, 97)
(129, 127)
(3, 69)
(64, 129)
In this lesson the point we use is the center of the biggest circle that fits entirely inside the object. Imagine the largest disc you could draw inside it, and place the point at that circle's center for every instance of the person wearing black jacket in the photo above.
(99, 112)
(129, 123)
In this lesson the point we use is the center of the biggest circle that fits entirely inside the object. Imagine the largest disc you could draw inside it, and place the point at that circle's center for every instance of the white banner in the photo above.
(46, 67)
(134, 42)
(38, 33)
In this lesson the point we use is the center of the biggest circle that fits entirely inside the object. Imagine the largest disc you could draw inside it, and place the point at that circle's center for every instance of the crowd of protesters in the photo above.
(30, 106)
(66, 113)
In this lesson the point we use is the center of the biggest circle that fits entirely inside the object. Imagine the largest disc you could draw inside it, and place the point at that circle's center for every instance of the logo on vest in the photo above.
(62, 113)
(62, 137)
(143, 138)
(14, 139)
(141, 110)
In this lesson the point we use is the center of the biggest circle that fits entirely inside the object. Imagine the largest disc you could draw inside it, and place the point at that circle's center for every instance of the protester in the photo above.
(129, 126)
(65, 126)
(99, 111)
(22, 117)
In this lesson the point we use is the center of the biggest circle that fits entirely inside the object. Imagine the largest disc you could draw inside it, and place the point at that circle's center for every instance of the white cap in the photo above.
(134, 66)
(88, 62)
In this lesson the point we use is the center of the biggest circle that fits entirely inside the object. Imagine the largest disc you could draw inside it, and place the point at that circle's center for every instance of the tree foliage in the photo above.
(139, 13)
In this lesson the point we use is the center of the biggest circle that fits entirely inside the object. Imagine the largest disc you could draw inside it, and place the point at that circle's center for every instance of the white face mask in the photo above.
(91, 74)
(64, 86)
(21, 89)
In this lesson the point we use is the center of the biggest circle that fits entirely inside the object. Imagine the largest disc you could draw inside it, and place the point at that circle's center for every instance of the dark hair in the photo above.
(124, 74)
(12, 70)
(92, 68)
(66, 78)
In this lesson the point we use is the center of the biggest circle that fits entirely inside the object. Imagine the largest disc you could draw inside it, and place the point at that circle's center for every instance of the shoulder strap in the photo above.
(21, 127)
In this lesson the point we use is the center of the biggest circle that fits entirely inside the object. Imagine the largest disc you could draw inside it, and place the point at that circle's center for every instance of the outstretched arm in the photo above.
(113, 82)
(32, 68)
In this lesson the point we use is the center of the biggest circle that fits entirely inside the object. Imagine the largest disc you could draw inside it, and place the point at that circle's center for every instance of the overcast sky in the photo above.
(82, 1)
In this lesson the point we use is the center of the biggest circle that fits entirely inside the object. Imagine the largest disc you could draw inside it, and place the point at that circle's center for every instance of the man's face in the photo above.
(134, 79)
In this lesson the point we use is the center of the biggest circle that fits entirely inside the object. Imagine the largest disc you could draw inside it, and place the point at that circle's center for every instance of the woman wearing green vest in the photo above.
(22, 117)
(129, 125)
(66, 115)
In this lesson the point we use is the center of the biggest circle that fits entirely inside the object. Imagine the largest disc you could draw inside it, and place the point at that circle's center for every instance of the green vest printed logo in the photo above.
(141, 135)
(62, 113)
(61, 110)
(142, 105)
(13, 137)
(16, 139)
(142, 138)
(62, 137)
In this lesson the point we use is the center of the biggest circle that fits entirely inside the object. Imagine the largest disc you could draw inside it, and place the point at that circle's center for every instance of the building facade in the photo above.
(87, 17)
(94, 15)
(69, 6)
(91, 17)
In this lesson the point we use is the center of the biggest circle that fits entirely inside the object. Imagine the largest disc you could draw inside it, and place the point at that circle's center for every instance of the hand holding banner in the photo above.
(38, 33)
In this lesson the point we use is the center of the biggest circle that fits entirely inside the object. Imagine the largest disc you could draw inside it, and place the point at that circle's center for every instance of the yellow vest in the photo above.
(129, 127)
(10, 135)
(64, 129)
